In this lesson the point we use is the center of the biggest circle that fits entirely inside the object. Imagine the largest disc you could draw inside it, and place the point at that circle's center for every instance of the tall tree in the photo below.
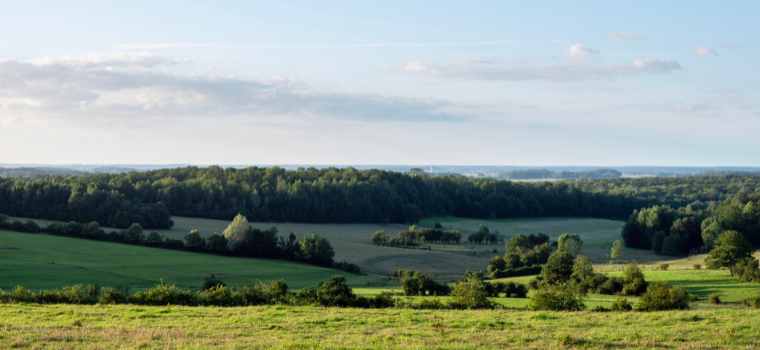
(730, 248)
(235, 232)
(617, 250)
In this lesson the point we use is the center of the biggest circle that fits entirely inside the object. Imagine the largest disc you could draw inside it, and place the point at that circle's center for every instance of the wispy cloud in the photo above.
(623, 35)
(703, 51)
(304, 46)
(727, 45)
(498, 70)
(119, 86)
(580, 52)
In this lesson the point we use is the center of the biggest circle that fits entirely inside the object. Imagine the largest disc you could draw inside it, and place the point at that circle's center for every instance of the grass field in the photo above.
(277, 327)
(447, 262)
(51, 262)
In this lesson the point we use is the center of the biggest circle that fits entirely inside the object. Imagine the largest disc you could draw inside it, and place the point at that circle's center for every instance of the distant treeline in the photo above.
(546, 174)
(45, 172)
(333, 195)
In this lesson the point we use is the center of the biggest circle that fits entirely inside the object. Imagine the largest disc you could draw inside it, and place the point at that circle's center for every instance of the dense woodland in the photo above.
(333, 195)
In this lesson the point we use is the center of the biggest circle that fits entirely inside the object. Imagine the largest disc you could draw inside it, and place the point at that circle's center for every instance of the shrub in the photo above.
(664, 267)
(212, 282)
(110, 295)
(31, 227)
(194, 241)
(153, 239)
(316, 250)
(335, 292)
(558, 268)
(92, 291)
(600, 308)
(697, 266)
(174, 243)
(217, 243)
(73, 228)
(621, 304)
(470, 294)
(348, 267)
(219, 295)
(557, 298)
(18, 226)
(715, 298)
(662, 296)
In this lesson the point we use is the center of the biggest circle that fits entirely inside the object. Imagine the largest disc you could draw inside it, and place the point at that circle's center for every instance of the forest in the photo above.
(347, 195)
(546, 174)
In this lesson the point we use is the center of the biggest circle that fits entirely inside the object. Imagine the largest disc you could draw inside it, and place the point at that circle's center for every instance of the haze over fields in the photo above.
(449, 83)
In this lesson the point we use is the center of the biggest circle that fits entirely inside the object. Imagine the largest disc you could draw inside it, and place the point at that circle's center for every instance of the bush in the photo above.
(715, 298)
(600, 308)
(217, 243)
(521, 271)
(212, 282)
(697, 266)
(110, 295)
(621, 304)
(662, 296)
(664, 267)
(557, 298)
(335, 292)
(348, 267)
(194, 241)
(172, 243)
(18, 226)
(31, 227)
(154, 239)
(470, 294)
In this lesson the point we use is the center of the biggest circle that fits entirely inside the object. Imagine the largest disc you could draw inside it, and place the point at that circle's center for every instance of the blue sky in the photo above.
(330, 82)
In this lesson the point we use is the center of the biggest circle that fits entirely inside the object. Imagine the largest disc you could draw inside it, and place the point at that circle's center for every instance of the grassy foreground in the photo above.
(124, 326)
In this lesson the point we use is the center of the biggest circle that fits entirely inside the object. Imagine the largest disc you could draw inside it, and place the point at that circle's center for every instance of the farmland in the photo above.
(447, 262)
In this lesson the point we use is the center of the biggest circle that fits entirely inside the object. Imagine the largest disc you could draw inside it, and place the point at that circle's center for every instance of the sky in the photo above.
(394, 82)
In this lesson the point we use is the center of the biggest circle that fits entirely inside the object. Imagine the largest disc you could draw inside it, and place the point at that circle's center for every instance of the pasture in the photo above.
(447, 262)
(128, 326)
(50, 262)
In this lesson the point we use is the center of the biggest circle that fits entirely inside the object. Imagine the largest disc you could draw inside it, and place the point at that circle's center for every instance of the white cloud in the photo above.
(702, 51)
(108, 87)
(623, 35)
(727, 45)
(580, 52)
(491, 69)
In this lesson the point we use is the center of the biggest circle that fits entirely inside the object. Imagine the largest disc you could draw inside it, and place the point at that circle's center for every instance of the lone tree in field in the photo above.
(235, 232)
(571, 244)
(316, 250)
(617, 250)
(730, 248)
(558, 269)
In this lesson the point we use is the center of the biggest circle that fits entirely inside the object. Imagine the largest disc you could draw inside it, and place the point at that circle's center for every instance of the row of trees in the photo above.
(546, 174)
(416, 236)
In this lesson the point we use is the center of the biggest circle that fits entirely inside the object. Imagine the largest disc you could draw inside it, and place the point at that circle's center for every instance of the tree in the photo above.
(195, 241)
(672, 245)
(657, 240)
(730, 248)
(470, 293)
(153, 239)
(134, 234)
(710, 231)
(571, 244)
(617, 250)
(235, 232)
(217, 243)
(558, 268)
(316, 250)
(662, 296)
(582, 268)
(379, 237)
(93, 230)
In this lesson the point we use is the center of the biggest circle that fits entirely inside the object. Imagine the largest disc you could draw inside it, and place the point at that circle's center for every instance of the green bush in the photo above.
(662, 296)
(212, 282)
(557, 298)
(621, 304)
(715, 298)
(664, 267)
(110, 295)
(470, 294)
(600, 308)
(31, 227)
(697, 266)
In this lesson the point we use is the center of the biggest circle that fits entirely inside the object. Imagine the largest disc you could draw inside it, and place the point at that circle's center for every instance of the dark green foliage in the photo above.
(415, 283)
(194, 241)
(172, 243)
(154, 239)
(545, 174)
(335, 292)
(509, 289)
(664, 267)
(258, 243)
(134, 234)
(316, 250)
(471, 293)
(211, 282)
(748, 270)
(520, 271)
(621, 305)
(31, 227)
(662, 296)
(731, 247)
(217, 243)
(348, 267)
(715, 298)
(557, 298)
(558, 268)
